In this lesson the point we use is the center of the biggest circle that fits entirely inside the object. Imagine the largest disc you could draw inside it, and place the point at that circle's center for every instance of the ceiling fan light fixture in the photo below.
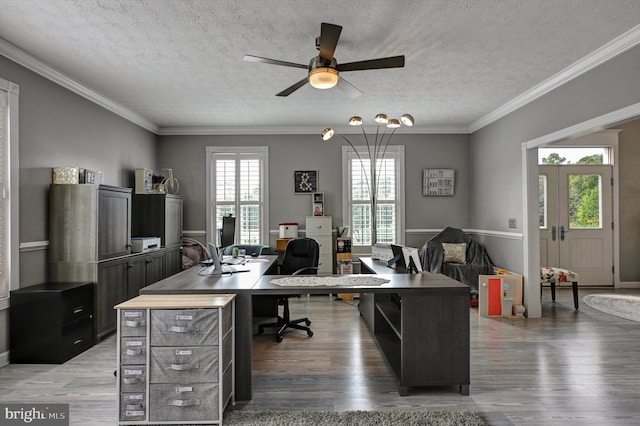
(393, 123)
(407, 120)
(327, 133)
(355, 121)
(381, 119)
(323, 77)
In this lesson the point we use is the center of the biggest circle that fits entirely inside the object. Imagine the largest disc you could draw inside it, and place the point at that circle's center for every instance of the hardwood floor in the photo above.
(568, 368)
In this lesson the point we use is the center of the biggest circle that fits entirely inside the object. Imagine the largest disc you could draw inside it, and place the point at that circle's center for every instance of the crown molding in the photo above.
(293, 130)
(610, 50)
(28, 61)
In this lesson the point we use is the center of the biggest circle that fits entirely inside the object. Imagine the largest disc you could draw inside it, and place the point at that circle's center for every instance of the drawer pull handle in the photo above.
(184, 367)
(78, 309)
(131, 323)
(134, 407)
(132, 352)
(184, 402)
(178, 329)
(132, 380)
(77, 341)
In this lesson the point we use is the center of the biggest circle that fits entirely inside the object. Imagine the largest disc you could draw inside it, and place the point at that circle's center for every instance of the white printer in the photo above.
(142, 244)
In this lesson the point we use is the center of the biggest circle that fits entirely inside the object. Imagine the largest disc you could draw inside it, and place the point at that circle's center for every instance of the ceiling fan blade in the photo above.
(329, 35)
(251, 58)
(289, 90)
(371, 64)
(348, 88)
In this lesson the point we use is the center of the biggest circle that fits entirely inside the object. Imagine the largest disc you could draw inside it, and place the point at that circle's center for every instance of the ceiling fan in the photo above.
(324, 70)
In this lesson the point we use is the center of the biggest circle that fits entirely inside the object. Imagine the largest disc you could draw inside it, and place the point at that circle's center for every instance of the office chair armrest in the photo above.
(308, 268)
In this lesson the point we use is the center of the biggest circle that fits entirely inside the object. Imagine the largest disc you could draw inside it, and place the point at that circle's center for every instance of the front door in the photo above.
(576, 225)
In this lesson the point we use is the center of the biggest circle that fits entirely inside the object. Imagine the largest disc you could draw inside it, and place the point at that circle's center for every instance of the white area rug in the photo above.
(621, 305)
(315, 281)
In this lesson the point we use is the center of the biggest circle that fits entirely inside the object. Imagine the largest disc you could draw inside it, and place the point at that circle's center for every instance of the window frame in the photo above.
(10, 194)
(396, 152)
(260, 151)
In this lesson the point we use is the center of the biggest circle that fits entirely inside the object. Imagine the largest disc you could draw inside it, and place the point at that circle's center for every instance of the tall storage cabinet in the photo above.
(320, 228)
(175, 358)
(89, 224)
(90, 229)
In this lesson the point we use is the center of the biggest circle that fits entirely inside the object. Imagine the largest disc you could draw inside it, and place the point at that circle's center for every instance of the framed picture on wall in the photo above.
(438, 182)
(305, 181)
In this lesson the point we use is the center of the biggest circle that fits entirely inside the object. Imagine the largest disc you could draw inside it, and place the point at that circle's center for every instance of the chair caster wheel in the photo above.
(309, 333)
(278, 339)
(260, 330)
(308, 323)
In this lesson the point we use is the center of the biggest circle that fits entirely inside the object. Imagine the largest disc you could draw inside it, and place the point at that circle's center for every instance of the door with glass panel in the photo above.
(576, 221)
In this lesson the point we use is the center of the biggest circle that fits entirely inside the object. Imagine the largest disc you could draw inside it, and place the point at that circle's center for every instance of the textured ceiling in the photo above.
(178, 63)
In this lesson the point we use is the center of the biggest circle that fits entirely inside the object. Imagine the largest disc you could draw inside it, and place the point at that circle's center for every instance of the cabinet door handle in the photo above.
(77, 341)
(78, 309)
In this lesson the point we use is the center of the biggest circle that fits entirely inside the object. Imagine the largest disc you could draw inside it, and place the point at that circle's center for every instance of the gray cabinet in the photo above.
(90, 228)
(145, 269)
(175, 358)
(111, 289)
(89, 233)
(158, 215)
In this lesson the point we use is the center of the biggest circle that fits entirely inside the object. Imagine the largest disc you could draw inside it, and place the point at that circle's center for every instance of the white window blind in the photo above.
(357, 193)
(238, 182)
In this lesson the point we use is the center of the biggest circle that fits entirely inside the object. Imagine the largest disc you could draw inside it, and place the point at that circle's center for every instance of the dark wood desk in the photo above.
(446, 298)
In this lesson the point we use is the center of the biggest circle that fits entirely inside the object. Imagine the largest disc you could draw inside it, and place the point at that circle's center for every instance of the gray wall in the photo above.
(186, 156)
(496, 187)
(629, 185)
(60, 128)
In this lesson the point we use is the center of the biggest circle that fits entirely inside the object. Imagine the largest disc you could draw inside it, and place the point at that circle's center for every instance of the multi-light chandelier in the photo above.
(376, 149)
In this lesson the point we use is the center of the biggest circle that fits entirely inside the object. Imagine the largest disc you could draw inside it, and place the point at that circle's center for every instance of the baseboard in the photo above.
(4, 359)
(629, 284)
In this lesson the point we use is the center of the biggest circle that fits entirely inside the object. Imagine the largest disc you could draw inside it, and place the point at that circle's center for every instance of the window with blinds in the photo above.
(238, 188)
(389, 180)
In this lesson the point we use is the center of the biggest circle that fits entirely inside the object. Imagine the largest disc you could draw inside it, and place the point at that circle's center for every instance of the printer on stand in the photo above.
(143, 244)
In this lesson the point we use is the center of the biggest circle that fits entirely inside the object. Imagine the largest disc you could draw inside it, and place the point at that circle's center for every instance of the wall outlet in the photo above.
(512, 222)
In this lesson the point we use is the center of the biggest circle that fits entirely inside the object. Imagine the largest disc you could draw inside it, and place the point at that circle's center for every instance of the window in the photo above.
(8, 187)
(357, 182)
(237, 186)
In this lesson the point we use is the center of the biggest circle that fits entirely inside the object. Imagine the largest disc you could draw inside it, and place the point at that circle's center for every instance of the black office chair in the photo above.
(300, 258)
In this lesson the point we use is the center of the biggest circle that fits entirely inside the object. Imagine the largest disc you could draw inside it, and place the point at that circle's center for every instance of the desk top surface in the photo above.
(195, 280)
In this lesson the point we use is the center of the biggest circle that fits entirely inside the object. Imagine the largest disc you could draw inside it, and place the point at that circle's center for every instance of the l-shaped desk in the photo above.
(420, 321)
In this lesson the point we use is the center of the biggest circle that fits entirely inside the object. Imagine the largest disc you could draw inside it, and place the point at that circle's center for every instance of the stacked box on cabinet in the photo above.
(176, 358)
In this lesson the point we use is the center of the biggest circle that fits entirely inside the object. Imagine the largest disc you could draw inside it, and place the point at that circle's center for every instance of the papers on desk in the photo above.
(316, 281)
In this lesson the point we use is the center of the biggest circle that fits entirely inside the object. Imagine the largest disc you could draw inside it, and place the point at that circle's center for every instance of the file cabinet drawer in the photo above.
(133, 322)
(198, 364)
(133, 378)
(318, 226)
(78, 304)
(176, 327)
(133, 350)
(195, 402)
(133, 406)
(77, 336)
